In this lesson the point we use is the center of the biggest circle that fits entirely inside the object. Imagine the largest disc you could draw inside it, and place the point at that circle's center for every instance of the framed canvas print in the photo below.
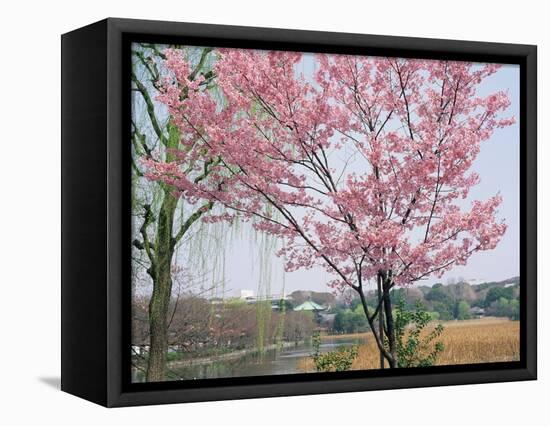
(255, 212)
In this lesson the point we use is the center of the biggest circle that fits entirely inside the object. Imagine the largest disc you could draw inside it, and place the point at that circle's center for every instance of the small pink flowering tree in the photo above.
(363, 169)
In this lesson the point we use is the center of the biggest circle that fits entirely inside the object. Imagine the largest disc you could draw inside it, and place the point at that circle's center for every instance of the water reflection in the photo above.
(285, 361)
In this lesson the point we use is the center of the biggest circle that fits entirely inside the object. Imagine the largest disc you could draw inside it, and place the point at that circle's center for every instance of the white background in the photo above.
(30, 212)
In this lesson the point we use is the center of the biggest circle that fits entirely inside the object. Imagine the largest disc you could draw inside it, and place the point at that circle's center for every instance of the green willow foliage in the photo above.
(198, 261)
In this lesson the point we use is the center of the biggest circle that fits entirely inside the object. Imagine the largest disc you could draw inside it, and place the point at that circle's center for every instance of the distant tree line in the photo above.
(442, 302)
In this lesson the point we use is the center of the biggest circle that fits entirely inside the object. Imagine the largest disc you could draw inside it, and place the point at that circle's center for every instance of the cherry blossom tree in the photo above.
(363, 169)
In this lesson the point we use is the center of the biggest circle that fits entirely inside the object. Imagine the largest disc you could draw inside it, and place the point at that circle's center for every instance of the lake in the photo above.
(271, 362)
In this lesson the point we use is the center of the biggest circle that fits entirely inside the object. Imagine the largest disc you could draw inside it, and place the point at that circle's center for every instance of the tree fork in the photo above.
(378, 338)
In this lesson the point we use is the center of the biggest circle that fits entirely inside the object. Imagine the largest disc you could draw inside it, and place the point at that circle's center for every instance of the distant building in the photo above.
(247, 294)
(310, 305)
(477, 312)
(316, 309)
(275, 299)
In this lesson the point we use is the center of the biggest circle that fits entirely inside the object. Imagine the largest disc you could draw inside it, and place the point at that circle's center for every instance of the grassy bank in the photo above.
(466, 342)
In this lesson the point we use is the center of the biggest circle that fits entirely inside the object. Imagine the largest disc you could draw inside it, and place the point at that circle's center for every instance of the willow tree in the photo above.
(160, 219)
(360, 169)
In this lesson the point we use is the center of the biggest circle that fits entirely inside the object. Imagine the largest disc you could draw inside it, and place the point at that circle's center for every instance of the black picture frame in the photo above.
(96, 212)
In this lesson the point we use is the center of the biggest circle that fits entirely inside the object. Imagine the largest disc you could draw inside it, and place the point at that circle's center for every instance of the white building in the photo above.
(247, 294)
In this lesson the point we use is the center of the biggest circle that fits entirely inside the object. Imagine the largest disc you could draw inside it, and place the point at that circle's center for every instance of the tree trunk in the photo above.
(160, 271)
(162, 290)
(378, 338)
(158, 312)
(380, 318)
(390, 327)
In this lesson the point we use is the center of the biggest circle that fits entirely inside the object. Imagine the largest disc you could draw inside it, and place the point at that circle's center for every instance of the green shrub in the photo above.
(173, 356)
(463, 310)
(507, 308)
(434, 316)
(413, 350)
(350, 321)
(444, 310)
(338, 360)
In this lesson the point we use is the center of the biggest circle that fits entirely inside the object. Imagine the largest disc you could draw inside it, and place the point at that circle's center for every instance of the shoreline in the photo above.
(228, 356)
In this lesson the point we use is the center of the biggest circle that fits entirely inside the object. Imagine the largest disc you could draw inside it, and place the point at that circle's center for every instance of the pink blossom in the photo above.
(271, 138)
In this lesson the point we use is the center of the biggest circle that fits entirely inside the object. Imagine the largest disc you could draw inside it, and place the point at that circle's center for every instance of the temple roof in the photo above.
(309, 305)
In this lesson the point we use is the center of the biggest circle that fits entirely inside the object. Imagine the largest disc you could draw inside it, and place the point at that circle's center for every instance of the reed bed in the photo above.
(466, 342)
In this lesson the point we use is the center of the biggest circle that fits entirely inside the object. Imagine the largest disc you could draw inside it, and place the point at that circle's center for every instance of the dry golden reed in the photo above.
(466, 342)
